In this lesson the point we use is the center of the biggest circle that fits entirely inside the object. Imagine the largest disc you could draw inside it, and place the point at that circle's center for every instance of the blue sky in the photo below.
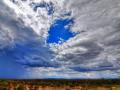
(17, 58)
(58, 31)
(82, 40)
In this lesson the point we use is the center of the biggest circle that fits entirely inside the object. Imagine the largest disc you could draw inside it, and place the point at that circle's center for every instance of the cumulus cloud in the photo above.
(20, 46)
(96, 47)
(92, 52)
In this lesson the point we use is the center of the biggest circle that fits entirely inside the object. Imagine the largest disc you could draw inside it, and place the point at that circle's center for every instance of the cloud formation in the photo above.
(97, 45)
(95, 49)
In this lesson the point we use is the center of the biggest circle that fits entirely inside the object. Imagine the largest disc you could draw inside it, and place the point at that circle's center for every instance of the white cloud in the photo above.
(20, 46)
(96, 47)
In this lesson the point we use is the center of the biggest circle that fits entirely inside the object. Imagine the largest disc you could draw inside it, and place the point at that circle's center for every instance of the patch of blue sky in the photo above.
(48, 6)
(60, 31)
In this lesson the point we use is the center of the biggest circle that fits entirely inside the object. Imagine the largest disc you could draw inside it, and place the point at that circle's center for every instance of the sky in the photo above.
(58, 33)
(42, 39)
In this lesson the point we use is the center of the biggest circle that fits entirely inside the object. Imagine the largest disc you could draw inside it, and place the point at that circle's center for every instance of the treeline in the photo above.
(60, 83)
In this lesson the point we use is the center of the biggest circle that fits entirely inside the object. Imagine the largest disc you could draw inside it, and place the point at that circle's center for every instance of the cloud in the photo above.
(96, 47)
(20, 46)
(95, 50)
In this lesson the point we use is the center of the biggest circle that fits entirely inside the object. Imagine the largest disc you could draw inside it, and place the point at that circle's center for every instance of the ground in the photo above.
(60, 84)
